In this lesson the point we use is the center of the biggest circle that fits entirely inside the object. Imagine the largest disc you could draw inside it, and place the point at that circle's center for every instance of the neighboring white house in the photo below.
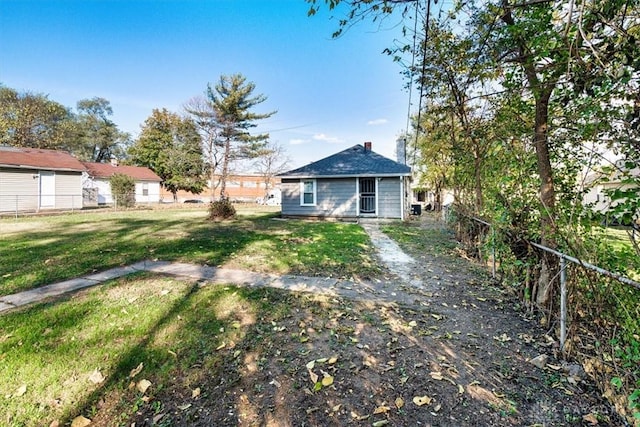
(33, 179)
(96, 181)
(600, 184)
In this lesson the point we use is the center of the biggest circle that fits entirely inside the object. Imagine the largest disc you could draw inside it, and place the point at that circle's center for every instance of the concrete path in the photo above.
(389, 252)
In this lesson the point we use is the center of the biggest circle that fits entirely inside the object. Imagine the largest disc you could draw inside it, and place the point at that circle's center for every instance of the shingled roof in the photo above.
(352, 162)
(38, 158)
(106, 170)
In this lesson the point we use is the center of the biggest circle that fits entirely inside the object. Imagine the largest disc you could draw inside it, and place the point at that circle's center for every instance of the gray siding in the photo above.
(68, 190)
(337, 197)
(334, 197)
(389, 198)
(18, 190)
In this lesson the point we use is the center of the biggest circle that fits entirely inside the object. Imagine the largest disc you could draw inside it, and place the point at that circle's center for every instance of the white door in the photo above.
(47, 189)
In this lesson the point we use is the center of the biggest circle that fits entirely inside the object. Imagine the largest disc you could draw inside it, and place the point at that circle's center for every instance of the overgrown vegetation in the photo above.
(221, 209)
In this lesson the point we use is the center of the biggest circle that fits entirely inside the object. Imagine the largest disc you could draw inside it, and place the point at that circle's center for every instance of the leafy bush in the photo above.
(221, 210)
(123, 190)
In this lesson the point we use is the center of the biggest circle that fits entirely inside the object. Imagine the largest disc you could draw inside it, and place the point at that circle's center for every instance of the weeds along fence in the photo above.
(598, 318)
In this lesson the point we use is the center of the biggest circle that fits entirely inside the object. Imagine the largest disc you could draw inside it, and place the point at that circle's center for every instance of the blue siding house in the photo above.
(354, 183)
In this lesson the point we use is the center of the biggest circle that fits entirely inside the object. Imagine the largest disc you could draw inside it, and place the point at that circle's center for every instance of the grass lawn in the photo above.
(41, 250)
(64, 358)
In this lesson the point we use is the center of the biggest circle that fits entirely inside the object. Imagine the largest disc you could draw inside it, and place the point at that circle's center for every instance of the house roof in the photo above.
(38, 158)
(106, 170)
(354, 161)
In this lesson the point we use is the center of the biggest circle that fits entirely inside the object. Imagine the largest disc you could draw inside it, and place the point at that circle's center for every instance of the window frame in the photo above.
(314, 192)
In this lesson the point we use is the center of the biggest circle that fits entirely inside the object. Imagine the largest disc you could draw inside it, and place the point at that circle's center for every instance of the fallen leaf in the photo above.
(96, 377)
(332, 360)
(157, 418)
(184, 407)
(275, 383)
(80, 421)
(20, 391)
(460, 389)
(322, 360)
(399, 402)
(436, 316)
(437, 376)
(54, 423)
(311, 364)
(381, 410)
(135, 371)
(502, 338)
(380, 423)
(327, 380)
(413, 323)
(143, 385)
(317, 386)
(195, 392)
(221, 346)
(422, 400)
(437, 407)
(314, 376)
(336, 408)
(591, 419)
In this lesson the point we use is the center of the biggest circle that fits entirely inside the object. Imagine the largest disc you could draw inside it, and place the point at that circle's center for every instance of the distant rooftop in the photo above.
(38, 158)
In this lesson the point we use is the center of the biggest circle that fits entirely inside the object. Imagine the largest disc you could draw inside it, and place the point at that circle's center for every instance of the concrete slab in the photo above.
(55, 289)
(110, 274)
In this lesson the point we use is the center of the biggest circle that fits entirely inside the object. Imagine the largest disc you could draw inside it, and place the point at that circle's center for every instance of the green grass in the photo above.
(42, 250)
(50, 350)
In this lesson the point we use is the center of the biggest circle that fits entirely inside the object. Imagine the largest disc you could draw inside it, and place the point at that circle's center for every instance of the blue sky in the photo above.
(329, 93)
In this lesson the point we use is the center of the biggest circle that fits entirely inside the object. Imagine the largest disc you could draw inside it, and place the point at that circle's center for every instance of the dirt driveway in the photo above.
(452, 349)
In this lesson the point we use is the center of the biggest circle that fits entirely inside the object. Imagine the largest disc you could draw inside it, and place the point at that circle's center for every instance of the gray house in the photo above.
(353, 183)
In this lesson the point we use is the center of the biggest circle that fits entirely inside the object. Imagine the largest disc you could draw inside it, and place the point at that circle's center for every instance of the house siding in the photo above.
(389, 197)
(18, 190)
(68, 190)
(338, 197)
(334, 198)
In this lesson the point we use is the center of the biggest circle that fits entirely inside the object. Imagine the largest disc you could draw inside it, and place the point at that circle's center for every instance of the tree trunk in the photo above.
(225, 169)
(549, 265)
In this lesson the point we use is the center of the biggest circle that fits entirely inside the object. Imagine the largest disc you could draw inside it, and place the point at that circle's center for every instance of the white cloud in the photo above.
(297, 141)
(377, 122)
(325, 138)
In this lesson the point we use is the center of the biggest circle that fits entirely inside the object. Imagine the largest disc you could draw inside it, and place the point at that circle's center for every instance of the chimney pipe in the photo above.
(367, 146)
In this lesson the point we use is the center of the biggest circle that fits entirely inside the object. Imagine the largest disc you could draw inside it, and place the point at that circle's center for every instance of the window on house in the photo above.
(308, 192)
(145, 188)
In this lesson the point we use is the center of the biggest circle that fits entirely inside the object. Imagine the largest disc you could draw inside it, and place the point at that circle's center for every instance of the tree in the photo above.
(231, 101)
(99, 138)
(123, 190)
(170, 146)
(270, 162)
(33, 120)
(204, 117)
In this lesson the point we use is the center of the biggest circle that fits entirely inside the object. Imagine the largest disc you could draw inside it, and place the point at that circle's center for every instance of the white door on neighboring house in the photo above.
(47, 189)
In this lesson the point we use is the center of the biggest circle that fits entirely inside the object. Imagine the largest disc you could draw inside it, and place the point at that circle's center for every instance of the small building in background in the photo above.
(34, 179)
(354, 183)
(240, 187)
(95, 183)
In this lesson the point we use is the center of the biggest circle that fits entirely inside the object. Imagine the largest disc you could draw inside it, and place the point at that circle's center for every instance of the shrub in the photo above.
(123, 190)
(221, 210)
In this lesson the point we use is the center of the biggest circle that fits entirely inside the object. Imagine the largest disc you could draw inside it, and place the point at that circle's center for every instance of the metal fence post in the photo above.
(563, 302)
(493, 252)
